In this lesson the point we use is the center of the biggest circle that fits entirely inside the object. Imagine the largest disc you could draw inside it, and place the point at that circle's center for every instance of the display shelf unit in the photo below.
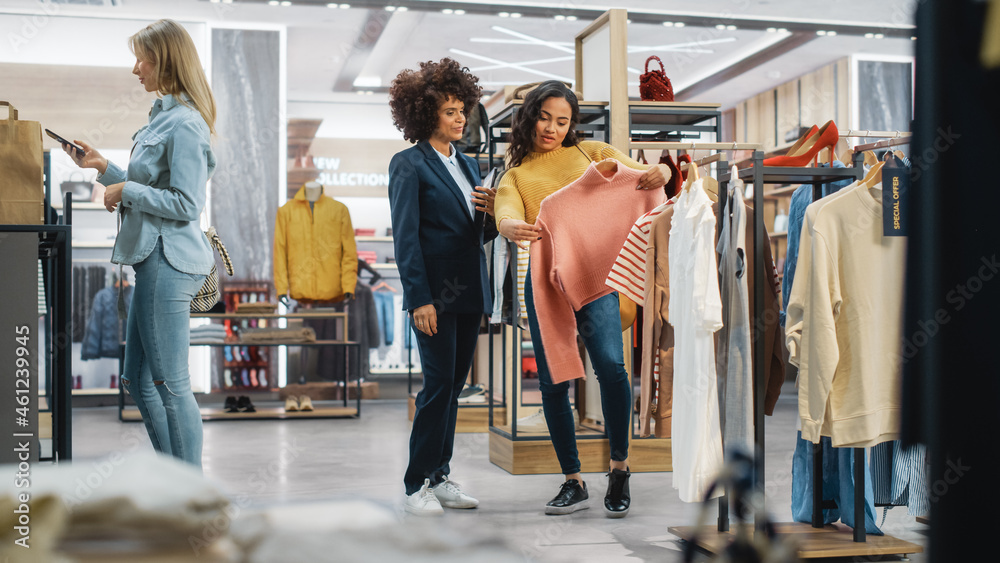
(812, 540)
(55, 250)
(217, 413)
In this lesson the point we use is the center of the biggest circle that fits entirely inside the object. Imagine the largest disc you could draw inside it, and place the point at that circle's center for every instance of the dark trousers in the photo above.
(446, 359)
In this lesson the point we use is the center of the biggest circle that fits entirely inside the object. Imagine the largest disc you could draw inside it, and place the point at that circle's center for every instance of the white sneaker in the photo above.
(535, 423)
(451, 496)
(423, 502)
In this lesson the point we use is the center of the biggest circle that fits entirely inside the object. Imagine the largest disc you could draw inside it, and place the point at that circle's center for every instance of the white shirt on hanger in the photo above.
(695, 311)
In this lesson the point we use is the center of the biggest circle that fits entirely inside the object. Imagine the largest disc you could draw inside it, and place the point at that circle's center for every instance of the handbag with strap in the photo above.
(210, 292)
(654, 86)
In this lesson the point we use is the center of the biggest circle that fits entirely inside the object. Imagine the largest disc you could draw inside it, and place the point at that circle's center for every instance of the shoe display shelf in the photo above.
(330, 409)
(814, 540)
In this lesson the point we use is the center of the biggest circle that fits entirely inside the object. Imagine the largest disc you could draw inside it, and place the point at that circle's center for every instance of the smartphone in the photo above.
(79, 150)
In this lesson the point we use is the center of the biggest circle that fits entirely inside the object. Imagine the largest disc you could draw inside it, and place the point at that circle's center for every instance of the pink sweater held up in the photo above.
(584, 226)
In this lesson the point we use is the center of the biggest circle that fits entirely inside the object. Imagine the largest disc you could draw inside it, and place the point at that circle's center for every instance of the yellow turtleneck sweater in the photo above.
(523, 188)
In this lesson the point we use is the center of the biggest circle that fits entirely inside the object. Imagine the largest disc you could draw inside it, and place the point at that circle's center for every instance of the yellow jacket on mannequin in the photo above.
(315, 256)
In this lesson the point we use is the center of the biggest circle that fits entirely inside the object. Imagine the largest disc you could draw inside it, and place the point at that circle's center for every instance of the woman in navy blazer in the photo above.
(440, 220)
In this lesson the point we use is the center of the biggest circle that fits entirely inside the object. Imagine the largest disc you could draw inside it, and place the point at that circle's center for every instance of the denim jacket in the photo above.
(165, 189)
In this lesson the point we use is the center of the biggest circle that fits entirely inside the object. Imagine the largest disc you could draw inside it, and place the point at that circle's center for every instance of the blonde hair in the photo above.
(178, 69)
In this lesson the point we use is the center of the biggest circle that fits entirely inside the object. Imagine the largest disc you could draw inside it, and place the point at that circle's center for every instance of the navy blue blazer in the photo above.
(439, 246)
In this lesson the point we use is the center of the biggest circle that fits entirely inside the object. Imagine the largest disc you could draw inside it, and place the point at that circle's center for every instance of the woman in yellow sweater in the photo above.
(544, 156)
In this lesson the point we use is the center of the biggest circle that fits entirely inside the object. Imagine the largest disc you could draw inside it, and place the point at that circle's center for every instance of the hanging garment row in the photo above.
(670, 264)
(843, 288)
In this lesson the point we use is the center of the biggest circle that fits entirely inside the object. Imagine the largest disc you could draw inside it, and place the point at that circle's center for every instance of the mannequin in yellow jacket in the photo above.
(315, 256)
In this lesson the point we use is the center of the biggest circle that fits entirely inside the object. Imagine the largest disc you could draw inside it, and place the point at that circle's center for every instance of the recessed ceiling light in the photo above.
(913, 38)
(731, 27)
(504, 14)
(215, 1)
(402, 9)
(390, 8)
(668, 24)
(831, 32)
(772, 30)
(273, 2)
(820, 32)
(560, 17)
(879, 36)
(515, 14)
(447, 11)
(782, 30)
(344, 6)
(720, 26)
(286, 3)
(571, 18)
(679, 24)
(869, 35)
(459, 12)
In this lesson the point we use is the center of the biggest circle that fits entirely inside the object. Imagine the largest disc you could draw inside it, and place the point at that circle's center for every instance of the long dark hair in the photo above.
(522, 131)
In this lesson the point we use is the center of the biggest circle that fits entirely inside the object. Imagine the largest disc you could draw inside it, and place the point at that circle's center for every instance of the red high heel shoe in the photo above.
(826, 136)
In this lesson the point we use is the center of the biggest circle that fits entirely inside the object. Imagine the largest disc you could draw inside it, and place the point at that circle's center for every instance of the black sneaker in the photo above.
(572, 497)
(618, 499)
(473, 394)
(230, 404)
(243, 404)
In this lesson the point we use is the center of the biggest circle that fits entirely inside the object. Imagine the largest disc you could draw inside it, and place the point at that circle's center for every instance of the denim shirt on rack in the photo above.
(165, 189)
(801, 198)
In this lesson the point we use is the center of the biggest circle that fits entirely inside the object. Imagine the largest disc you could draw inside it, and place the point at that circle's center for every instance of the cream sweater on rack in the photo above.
(850, 295)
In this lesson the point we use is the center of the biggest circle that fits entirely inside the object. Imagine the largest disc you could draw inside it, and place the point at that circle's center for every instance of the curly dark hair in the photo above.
(522, 131)
(416, 95)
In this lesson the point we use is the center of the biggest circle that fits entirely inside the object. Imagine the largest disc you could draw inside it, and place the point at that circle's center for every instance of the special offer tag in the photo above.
(895, 191)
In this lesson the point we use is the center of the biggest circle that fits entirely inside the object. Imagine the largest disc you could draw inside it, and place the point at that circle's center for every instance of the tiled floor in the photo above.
(305, 460)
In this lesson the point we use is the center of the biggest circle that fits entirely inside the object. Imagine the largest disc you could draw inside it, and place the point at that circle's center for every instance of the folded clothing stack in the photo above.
(208, 334)
(259, 307)
(369, 256)
(277, 335)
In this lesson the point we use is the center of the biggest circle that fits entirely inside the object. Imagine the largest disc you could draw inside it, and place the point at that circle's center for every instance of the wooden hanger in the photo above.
(383, 284)
(870, 158)
(711, 186)
(899, 154)
(692, 175)
(874, 176)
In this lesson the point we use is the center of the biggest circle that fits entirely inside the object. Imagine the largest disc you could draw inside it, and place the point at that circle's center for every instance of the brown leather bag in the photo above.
(654, 86)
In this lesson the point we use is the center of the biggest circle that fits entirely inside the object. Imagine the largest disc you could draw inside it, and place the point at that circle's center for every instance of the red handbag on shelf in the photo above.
(654, 86)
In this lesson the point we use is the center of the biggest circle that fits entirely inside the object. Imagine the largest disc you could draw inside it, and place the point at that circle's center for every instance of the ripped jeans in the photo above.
(157, 337)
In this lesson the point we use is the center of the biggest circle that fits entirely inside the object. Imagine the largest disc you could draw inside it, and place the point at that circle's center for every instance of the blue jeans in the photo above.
(838, 485)
(599, 323)
(157, 339)
(386, 314)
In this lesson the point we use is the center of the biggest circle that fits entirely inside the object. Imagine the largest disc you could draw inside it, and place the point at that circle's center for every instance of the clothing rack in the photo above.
(882, 134)
(715, 541)
(693, 146)
(882, 144)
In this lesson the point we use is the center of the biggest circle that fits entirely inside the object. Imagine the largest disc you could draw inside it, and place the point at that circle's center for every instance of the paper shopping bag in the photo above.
(22, 188)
